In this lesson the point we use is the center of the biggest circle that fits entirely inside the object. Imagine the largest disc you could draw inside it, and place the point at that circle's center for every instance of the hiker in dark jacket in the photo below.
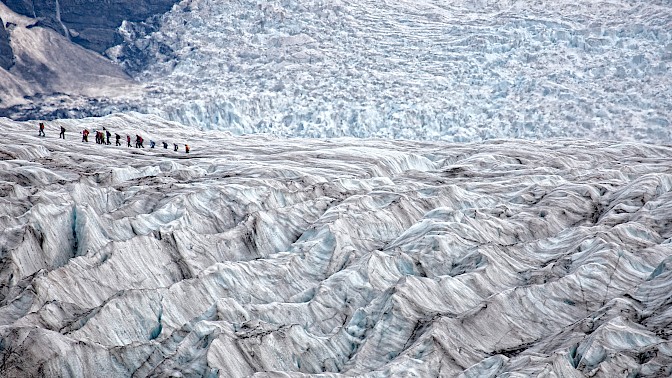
(62, 134)
(109, 134)
(118, 139)
(41, 132)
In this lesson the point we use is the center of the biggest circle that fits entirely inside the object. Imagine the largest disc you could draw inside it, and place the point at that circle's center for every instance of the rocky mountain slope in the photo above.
(65, 79)
(6, 53)
(253, 256)
(90, 23)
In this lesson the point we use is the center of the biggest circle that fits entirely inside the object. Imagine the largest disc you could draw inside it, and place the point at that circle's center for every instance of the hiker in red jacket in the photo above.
(85, 136)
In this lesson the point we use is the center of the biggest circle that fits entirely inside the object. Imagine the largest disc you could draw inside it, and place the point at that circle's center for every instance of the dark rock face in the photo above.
(6, 53)
(90, 23)
(24, 7)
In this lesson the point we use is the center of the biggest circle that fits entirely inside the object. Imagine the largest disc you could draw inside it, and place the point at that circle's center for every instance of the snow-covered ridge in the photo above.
(266, 257)
(451, 70)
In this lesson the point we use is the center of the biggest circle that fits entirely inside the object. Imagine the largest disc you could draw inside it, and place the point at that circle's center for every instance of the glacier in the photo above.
(456, 71)
(267, 257)
(429, 70)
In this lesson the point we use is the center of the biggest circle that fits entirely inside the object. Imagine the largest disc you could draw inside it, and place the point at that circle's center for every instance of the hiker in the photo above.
(97, 136)
(62, 134)
(117, 138)
(128, 140)
(175, 147)
(165, 145)
(138, 141)
(41, 132)
(186, 148)
(85, 136)
(109, 134)
(151, 144)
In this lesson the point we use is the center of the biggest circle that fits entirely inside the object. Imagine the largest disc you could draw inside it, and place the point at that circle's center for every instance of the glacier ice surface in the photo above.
(450, 70)
(256, 256)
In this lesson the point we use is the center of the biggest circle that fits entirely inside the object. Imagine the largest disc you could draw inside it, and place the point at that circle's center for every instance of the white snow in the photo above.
(344, 257)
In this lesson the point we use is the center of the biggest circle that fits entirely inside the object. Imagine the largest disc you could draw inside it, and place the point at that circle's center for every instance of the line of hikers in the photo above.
(103, 137)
